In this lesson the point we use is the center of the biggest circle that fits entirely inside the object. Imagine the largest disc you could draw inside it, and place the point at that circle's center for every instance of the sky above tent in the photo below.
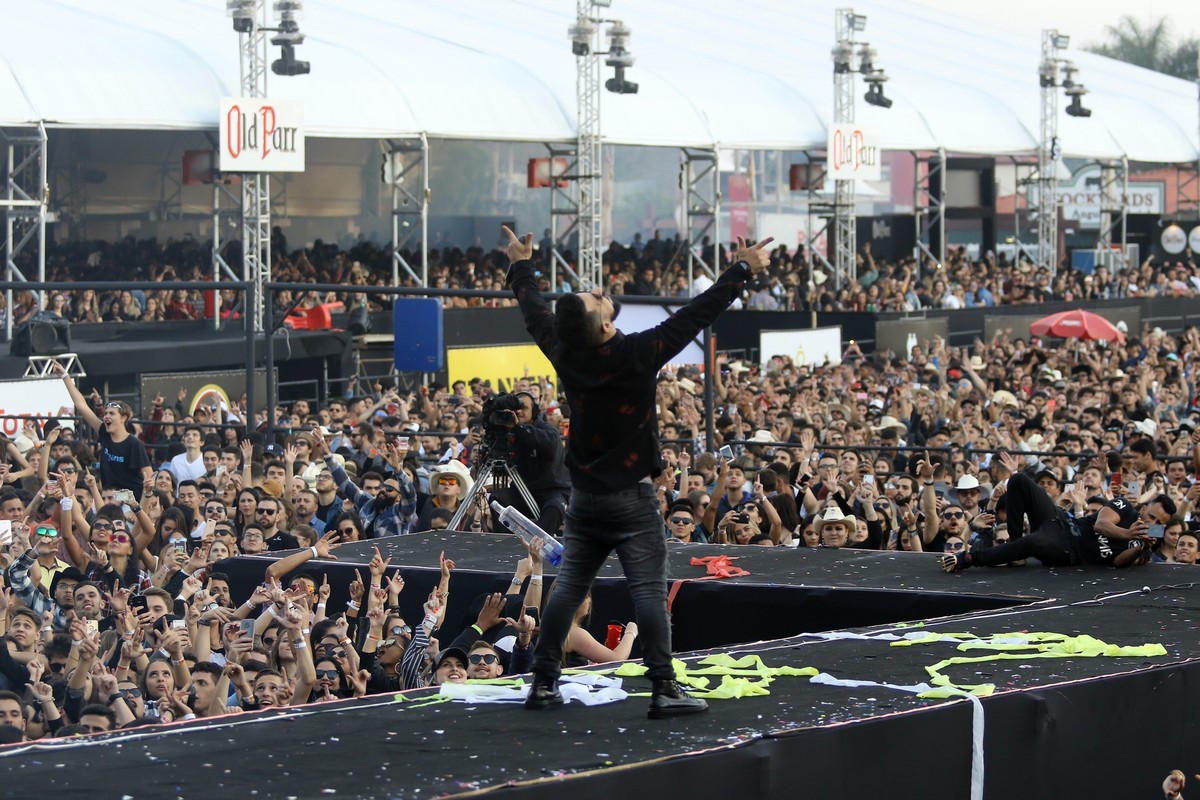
(755, 74)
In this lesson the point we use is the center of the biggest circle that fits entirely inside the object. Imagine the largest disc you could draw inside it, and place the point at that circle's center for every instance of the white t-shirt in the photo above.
(185, 470)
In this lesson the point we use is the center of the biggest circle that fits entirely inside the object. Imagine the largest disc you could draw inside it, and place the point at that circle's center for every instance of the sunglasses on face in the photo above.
(266, 512)
(66, 471)
(120, 538)
(953, 515)
(102, 526)
(950, 546)
(327, 674)
(269, 641)
(349, 530)
(388, 489)
(132, 692)
(49, 533)
(57, 666)
(483, 658)
(681, 520)
(401, 630)
(447, 479)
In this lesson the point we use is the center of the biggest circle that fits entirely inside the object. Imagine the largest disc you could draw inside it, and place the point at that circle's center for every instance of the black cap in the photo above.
(70, 574)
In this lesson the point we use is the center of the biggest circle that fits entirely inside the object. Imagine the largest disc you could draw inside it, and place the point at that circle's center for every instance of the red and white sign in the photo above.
(853, 153)
(33, 397)
(261, 135)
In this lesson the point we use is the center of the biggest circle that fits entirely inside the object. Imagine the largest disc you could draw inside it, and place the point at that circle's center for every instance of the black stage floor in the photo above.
(1091, 725)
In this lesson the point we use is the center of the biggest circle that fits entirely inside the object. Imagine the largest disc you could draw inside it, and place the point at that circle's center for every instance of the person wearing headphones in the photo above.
(539, 459)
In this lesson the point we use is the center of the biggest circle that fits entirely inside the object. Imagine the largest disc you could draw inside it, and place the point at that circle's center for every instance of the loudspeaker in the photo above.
(417, 327)
(44, 334)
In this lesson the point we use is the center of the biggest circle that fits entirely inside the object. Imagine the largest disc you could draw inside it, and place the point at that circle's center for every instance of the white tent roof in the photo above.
(754, 74)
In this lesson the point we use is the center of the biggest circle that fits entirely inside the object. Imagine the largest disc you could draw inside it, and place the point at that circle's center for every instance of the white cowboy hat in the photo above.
(834, 514)
(761, 437)
(458, 470)
(968, 482)
(888, 421)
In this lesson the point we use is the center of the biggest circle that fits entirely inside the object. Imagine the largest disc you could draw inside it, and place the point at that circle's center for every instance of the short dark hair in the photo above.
(209, 667)
(98, 710)
(1167, 504)
(574, 325)
(1144, 446)
(683, 505)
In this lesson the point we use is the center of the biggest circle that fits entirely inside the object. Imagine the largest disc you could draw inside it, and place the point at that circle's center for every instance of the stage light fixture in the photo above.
(875, 95)
(619, 58)
(242, 12)
(288, 65)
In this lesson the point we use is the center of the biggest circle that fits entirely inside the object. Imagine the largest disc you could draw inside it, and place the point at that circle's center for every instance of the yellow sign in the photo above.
(503, 365)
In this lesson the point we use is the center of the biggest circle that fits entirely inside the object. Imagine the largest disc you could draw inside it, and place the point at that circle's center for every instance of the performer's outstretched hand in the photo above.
(755, 255)
(518, 249)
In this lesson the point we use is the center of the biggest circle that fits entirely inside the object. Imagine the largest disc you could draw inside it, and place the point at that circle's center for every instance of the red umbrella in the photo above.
(1076, 324)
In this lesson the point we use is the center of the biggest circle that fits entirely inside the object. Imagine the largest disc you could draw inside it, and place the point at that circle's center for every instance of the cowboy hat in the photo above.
(841, 409)
(834, 514)
(458, 470)
(888, 421)
(1003, 397)
(761, 437)
(968, 482)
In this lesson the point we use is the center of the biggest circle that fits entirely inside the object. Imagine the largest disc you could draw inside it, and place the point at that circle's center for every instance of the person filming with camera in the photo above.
(532, 447)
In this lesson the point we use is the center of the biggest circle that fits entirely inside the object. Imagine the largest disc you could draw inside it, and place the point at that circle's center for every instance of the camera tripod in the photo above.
(503, 474)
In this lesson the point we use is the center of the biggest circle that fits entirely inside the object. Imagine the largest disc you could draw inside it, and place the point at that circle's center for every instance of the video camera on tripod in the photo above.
(496, 455)
(499, 416)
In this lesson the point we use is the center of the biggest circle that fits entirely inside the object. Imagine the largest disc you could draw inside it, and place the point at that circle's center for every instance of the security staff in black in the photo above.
(1115, 536)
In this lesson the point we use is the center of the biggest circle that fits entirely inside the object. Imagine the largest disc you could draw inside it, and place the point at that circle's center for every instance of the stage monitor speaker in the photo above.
(43, 334)
(419, 346)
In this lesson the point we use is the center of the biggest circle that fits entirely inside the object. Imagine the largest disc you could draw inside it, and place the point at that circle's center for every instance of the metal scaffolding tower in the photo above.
(256, 186)
(701, 182)
(588, 166)
(1048, 155)
(845, 224)
(1114, 190)
(25, 203)
(1053, 72)
(929, 204)
(410, 205)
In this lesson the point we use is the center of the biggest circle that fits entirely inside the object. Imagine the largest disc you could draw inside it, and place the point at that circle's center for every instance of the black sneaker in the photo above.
(543, 693)
(671, 700)
(955, 562)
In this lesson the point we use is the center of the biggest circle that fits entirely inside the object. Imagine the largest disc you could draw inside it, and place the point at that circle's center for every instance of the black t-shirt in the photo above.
(1098, 549)
(283, 541)
(121, 463)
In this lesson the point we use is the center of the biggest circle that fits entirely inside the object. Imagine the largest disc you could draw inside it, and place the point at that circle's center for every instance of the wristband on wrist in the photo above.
(299, 644)
(67, 503)
(321, 605)
(535, 579)
(353, 604)
(314, 552)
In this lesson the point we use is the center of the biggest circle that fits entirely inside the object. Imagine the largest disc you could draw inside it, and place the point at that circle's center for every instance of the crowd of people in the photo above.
(117, 612)
(656, 266)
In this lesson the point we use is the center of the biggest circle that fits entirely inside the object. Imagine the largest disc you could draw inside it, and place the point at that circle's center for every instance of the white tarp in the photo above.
(755, 74)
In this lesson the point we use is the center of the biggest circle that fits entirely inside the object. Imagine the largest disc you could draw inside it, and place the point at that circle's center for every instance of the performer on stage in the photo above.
(1116, 535)
(613, 455)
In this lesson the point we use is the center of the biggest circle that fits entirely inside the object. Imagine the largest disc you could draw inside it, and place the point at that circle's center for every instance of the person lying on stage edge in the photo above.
(613, 454)
(1117, 535)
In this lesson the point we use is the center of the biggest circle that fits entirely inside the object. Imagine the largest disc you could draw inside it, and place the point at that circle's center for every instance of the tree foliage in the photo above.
(1151, 45)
